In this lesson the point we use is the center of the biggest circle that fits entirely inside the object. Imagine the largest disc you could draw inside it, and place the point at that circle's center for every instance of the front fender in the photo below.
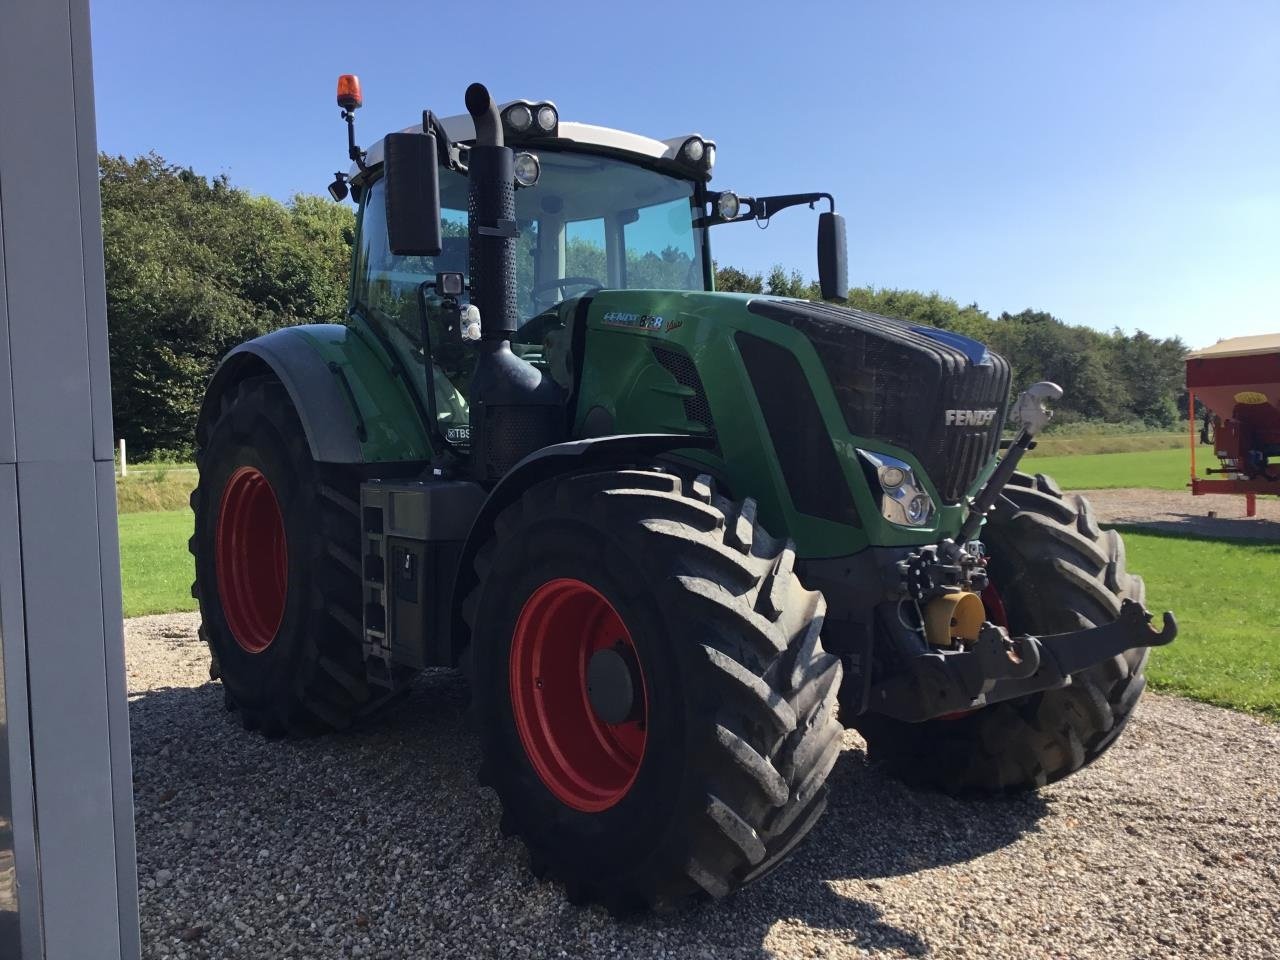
(352, 406)
(575, 456)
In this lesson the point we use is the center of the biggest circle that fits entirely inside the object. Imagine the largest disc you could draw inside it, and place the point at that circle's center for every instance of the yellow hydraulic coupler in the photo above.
(953, 616)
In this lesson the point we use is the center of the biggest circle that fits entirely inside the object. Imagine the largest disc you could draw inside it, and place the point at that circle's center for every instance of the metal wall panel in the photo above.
(8, 451)
(95, 283)
(40, 172)
(66, 677)
(20, 889)
(117, 711)
(65, 735)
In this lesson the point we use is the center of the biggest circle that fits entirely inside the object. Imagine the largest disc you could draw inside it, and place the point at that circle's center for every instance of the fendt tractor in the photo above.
(677, 539)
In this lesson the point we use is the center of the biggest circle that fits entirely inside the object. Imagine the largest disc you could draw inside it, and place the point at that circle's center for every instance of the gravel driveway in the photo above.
(379, 843)
(1178, 512)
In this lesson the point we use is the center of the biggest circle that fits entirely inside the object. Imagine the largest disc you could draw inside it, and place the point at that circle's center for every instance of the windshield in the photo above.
(590, 222)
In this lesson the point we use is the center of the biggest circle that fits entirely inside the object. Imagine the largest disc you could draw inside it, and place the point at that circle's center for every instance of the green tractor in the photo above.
(677, 539)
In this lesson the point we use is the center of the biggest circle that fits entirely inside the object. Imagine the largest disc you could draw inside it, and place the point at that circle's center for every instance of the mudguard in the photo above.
(575, 456)
(352, 407)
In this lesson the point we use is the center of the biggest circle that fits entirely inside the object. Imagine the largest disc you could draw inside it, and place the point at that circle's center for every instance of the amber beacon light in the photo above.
(349, 97)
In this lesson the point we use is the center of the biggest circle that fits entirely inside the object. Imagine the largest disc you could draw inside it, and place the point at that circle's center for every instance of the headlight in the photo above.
(527, 169)
(709, 157)
(547, 118)
(902, 498)
(728, 205)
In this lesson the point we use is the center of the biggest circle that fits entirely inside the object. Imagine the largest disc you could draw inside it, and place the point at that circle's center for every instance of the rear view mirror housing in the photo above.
(413, 194)
(833, 257)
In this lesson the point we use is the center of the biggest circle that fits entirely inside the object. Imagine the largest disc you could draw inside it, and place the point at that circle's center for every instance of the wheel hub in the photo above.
(611, 684)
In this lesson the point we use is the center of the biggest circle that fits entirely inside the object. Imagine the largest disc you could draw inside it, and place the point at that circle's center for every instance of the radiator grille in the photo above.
(895, 382)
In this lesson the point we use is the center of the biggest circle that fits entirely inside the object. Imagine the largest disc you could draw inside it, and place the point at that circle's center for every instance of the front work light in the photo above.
(728, 205)
(693, 150)
(349, 97)
(530, 118)
(527, 169)
(903, 499)
(519, 117)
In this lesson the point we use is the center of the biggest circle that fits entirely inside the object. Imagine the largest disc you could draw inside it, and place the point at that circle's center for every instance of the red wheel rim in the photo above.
(587, 764)
(252, 559)
(994, 605)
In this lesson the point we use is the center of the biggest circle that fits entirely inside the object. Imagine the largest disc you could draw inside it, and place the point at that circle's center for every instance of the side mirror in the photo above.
(413, 194)
(833, 257)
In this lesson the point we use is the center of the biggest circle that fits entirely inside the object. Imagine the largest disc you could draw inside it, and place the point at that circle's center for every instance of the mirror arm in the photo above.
(762, 208)
(448, 152)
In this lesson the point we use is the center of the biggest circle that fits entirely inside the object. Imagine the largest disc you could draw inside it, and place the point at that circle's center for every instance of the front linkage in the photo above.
(971, 661)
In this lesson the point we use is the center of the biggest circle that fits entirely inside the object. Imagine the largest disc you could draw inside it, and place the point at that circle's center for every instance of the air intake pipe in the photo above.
(515, 410)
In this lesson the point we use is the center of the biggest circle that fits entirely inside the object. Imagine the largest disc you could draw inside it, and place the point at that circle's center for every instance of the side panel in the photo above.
(627, 387)
(353, 406)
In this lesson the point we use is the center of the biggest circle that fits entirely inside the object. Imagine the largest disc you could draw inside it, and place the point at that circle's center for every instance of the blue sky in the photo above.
(1114, 164)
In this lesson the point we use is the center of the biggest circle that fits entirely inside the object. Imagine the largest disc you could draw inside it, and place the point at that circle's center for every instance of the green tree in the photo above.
(195, 266)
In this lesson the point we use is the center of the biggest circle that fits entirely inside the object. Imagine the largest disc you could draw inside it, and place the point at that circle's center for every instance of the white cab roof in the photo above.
(461, 128)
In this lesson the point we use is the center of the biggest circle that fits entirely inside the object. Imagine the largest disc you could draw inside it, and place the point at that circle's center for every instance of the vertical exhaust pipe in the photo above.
(491, 202)
(514, 409)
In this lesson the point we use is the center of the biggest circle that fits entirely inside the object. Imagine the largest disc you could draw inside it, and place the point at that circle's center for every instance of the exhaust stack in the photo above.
(514, 409)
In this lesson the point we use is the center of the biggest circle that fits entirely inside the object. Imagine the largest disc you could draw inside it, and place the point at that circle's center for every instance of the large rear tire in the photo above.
(276, 549)
(1053, 571)
(717, 766)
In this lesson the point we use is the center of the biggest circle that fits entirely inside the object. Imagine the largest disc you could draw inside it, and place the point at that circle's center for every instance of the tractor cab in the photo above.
(595, 209)
(589, 216)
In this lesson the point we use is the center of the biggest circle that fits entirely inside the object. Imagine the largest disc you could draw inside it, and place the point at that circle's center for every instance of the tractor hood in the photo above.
(936, 393)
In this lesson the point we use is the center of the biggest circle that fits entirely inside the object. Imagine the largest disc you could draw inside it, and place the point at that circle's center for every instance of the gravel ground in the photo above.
(378, 843)
(1177, 511)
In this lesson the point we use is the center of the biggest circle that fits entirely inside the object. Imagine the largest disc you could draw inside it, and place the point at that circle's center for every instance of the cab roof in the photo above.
(461, 128)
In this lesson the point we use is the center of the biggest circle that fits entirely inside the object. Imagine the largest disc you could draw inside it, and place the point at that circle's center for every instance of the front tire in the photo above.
(276, 549)
(713, 768)
(1053, 571)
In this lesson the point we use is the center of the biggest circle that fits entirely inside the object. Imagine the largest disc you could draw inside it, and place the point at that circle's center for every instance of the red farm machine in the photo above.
(1238, 383)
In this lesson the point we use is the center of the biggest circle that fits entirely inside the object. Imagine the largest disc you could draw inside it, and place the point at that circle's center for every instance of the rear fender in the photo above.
(352, 406)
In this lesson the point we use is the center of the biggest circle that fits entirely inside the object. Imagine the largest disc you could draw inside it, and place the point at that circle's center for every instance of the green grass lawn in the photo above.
(1223, 592)
(155, 567)
(1158, 469)
(155, 487)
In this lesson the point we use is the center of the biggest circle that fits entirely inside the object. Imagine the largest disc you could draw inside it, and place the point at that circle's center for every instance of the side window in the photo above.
(387, 284)
(386, 292)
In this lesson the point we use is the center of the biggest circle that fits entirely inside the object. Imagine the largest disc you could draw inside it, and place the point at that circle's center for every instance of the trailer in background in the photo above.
(1238, 383)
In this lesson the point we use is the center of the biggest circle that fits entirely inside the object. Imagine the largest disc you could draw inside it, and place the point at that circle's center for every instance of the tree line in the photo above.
(195, 266)
(1132, 379)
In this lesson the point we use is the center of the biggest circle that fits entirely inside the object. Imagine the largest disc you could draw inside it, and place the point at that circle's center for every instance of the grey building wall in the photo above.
(68, 884)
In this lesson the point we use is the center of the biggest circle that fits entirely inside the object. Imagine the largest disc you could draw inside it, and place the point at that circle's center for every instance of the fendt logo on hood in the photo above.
(969, 418)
